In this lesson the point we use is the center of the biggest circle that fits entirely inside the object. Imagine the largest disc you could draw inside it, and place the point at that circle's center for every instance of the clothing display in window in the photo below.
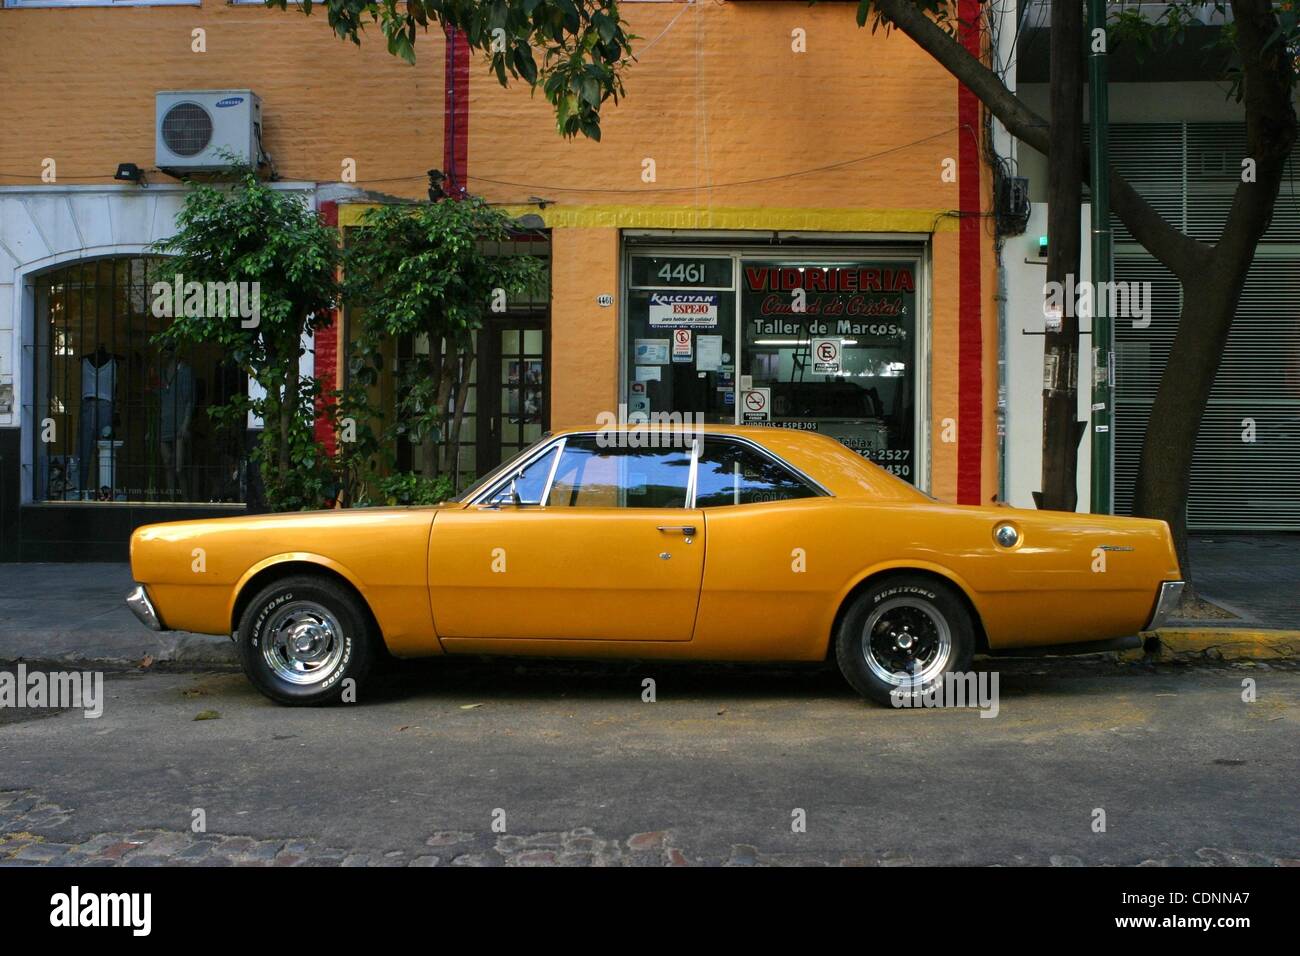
(98, 387)
(176, 410)
(124, 412)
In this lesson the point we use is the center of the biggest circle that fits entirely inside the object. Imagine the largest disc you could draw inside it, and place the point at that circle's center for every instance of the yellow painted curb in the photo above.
(1221, 643)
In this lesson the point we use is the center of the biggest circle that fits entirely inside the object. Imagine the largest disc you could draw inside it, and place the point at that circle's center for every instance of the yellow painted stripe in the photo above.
(922, 221)
(1226, 643)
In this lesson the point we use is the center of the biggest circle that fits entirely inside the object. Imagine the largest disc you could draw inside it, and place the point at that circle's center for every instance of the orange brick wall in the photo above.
(740, 127)
(80, 86)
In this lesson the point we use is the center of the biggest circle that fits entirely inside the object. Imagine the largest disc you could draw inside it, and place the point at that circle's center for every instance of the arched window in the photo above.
(119, 417)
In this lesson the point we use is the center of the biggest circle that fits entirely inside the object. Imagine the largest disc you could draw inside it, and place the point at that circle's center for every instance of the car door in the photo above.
(599, 546)
(776, 563)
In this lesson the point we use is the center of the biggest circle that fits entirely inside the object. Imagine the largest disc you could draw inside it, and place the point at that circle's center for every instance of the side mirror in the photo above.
(514, 489)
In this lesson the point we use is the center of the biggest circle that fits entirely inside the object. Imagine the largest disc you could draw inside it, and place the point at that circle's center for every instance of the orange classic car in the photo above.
(719, 543)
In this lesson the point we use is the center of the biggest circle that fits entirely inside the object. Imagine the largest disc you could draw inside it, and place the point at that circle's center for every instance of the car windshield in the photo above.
(501, 469)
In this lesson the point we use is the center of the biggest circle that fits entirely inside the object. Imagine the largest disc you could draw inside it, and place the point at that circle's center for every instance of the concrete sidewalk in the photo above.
(1256, 577)
(75, 612)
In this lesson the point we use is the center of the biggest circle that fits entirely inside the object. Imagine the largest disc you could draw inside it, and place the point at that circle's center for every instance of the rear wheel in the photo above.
(302, 639)
(901, 636)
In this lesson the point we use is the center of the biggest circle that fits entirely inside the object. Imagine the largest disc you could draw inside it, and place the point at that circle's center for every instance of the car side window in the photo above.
(531, 485)
(731, 473)
(593, 476)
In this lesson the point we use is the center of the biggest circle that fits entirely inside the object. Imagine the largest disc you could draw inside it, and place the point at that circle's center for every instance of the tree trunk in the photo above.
(1212, 287)
(1061, 427)
(1212, 276)
(1165, 469)
(441, 364)
(433, 416)
(288, 415)
(464, 365)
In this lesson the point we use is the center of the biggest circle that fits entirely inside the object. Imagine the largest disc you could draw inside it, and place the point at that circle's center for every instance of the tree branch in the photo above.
(1270, 125)
(1180, 253)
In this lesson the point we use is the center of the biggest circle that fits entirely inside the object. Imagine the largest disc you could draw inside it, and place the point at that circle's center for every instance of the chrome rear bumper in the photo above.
(1166, 600)
(140, 605)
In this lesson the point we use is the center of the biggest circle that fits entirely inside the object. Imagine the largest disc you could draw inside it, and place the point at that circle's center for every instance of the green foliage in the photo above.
(427, 270)
(1149, 36)
(405, 488)
(943, 12)
(582, 44)
(246, 232)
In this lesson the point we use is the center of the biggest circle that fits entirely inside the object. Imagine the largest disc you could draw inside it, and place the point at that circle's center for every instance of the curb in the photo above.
(1216, 644)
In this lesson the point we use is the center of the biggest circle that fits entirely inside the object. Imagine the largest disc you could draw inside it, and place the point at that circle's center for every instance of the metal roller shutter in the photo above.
(1189, 172)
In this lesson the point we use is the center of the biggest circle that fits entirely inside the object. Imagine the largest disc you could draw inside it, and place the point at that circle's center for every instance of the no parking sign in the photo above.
(682, 347)
(826, 356)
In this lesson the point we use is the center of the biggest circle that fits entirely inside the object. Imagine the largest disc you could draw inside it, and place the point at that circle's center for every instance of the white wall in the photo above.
(42, 227)
(1024, 358)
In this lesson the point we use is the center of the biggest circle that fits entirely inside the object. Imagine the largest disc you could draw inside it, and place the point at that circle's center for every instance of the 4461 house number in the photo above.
(682, 272)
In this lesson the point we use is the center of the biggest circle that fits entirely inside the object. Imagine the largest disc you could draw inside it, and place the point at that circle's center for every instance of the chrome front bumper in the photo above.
(1166, 600)
(140, 605)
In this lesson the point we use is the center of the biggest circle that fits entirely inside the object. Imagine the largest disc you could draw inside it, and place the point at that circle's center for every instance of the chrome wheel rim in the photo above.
(303, 644)
(906, 642)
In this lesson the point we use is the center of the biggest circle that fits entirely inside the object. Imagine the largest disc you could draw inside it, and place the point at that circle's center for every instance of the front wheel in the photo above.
(901, 636)
(302, 640)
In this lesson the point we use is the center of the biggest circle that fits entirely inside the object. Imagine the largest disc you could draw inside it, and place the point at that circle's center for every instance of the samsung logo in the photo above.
(229, 101)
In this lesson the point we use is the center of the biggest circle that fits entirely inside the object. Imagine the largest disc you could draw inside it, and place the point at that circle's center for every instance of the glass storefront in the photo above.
(823, 343)
(681, 337)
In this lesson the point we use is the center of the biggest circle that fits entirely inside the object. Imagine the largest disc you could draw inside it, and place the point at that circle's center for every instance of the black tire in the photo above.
(904, 601)
(319, 611)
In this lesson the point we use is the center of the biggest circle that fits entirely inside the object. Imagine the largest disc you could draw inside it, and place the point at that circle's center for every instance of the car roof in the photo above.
(839, 470)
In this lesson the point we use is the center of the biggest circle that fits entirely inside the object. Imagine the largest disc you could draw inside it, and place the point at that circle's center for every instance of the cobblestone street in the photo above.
(473, 764)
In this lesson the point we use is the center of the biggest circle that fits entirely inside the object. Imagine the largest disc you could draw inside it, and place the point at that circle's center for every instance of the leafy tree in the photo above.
(584, 48)
(427, 270)
(582, 43)
(274, 241)
(1264, 39)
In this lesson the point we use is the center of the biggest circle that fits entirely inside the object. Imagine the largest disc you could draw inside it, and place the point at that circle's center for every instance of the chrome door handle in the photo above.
(686, 529)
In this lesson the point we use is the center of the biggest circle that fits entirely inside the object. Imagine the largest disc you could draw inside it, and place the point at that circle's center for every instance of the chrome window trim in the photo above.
(490, 491)
(692, 481)
(596, 435)
(817, 486)
(555, 466)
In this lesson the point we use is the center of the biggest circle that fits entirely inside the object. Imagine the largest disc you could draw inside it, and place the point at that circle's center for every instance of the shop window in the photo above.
(813, 342)
(734, 474)
(830, 347)
(592, 476)
(117, 416)
(681, 337)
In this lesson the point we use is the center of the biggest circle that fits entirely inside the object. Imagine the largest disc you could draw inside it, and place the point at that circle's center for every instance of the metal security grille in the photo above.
(120, 417)
(1246, 466)
(187, 129)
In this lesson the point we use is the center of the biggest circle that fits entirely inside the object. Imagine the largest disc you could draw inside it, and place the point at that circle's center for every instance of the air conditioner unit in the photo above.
(207, 130)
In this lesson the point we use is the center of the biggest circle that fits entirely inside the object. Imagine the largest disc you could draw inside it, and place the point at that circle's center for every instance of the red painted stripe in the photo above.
(326, 347)
(970, 334)
(455, 115)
